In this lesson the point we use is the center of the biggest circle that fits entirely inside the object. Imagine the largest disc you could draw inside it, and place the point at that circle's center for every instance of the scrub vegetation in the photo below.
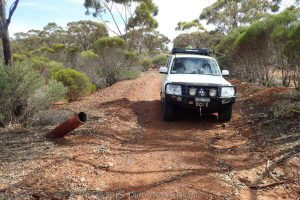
(83, 57)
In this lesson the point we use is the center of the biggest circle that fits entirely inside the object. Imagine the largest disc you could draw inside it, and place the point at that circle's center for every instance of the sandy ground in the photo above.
(126, 151)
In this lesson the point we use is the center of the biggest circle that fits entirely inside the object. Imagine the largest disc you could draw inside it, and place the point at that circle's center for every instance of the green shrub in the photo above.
(109, 42)
(147, 63)
(56, 90)
(45, 66)
(23, 92)
(47, 49)
(89, 55)
(285, 109)
(58, 47)
(160, 60)
(112, 54)
(77, 82)
(73, 49)
(126, 74)
(19, 57)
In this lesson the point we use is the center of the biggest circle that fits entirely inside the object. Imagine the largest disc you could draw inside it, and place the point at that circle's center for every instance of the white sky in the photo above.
(173, 11)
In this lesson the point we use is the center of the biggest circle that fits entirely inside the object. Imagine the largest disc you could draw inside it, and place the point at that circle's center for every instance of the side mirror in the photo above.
(225, 73)
(163, 70)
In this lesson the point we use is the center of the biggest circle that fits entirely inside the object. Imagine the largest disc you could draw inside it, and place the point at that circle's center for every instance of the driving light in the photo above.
(192, 91)
(213, 92)
(173, 89)
(227, 92)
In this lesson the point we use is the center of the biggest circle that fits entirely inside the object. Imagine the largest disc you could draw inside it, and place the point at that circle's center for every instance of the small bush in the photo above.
(78, 83)
(23, 92)
(132, 58)
(58, 47)
(19, 57)
(285, 109)
(46, 67)
(160, 60)
(89, 55)
(147, 63)
(109, 42)
(126, 74)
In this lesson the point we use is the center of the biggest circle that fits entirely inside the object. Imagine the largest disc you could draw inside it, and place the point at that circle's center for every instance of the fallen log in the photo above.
(68, 126)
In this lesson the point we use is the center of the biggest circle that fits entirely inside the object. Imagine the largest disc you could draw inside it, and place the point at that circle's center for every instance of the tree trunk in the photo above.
(5, 36)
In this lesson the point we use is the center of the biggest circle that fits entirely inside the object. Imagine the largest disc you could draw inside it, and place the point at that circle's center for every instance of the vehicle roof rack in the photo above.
(201, 51)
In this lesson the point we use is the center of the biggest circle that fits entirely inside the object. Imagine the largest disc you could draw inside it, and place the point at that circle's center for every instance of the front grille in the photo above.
(201, 91)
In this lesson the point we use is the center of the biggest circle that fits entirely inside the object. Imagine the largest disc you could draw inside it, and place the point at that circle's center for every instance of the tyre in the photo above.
(225, 114)
(168, 111)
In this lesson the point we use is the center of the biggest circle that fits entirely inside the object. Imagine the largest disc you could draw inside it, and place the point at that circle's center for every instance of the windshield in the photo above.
(189, 65)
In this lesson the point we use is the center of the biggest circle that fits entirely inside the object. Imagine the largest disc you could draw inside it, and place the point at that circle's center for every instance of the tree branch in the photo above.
(115, 22)
(107, 26)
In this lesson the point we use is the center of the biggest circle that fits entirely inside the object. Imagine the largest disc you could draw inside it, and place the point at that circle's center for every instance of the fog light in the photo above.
(213, 92)
(192, 91)
(179, 99)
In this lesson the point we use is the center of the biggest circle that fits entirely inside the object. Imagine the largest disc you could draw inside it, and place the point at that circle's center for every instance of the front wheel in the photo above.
(168, 111)
(225, 114)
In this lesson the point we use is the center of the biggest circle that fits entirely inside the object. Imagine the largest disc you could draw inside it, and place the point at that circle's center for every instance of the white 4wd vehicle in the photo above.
(194, 80)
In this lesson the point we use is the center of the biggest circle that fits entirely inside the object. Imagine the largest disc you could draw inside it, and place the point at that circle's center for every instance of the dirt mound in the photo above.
(269, 96)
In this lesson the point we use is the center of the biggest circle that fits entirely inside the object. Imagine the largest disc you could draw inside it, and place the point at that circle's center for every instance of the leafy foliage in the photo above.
(147, 63)
(46, 67)
(126, 74)
(160, 60)
(197, 40)
(258, 50)
(112, 57)
(109, 42)
(77, 82)
(229, 14)
(24, 92)
(181, 26)
(85, 33)
(134, 13)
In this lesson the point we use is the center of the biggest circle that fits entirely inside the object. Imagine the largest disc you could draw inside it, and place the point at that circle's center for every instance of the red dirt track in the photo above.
(126, 151)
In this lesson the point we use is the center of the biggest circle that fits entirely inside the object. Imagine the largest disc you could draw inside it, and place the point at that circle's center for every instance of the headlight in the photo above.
(173, 89)
(213, 92)
(192, 91)
(227, 92)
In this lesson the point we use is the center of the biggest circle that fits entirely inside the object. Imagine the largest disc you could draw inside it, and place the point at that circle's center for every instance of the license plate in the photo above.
(199, 99)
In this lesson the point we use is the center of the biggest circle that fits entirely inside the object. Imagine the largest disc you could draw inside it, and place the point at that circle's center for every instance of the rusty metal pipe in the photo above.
(68, 126)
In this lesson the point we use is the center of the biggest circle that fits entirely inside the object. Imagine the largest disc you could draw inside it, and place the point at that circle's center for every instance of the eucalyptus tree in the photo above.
(226, 15)
(267, 45)
(198, 39)
(125, 15)
(28, 41)
(292, 52)
(84, 33)
(143, 22)
(112, 57)
(155, 41)
(53, 34)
